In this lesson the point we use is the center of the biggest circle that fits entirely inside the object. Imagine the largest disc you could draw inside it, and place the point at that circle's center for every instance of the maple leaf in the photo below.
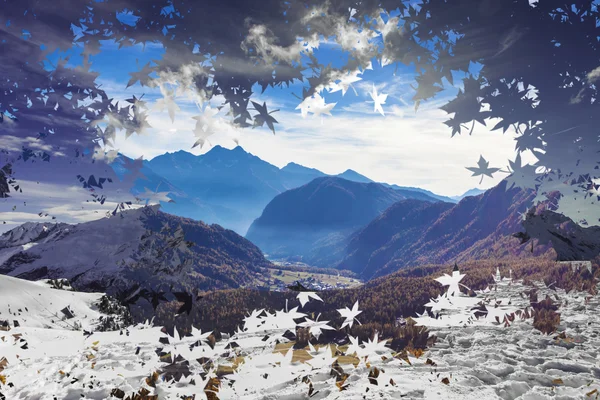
(205, 125)
(378, 100)
(304, 297)
(354, 347)
(141, 76)
(154, 197)
(186, 299)
(315, 104)
(321, 358)
(137, 102)
(264, 116)
(253, 321)
(199, 336)
(345, 82)
(111, 155)
(298, 287)
(168, 102)
(349, 315)
(375, 346)
(521, 175)
(483, 169)
(286, 319)
(155, 297)
(316, 327)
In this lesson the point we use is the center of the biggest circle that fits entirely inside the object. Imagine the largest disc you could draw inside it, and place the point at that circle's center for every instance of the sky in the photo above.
(404, 146)
(390, 142)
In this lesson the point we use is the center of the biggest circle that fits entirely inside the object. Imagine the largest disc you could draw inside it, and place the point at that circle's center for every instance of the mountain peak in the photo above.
(471, 192)
(352, 175)
(221, 149)
(293, 167)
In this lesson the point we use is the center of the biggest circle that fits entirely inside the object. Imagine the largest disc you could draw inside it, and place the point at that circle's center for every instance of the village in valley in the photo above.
(286, 273)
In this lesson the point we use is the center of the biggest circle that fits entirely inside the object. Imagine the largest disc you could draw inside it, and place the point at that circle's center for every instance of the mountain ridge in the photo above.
(234, 186)
(477, 227)
(319, 213)
(143, 246)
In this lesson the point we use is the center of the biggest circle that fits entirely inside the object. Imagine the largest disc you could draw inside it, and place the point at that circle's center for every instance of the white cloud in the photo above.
(15, 144)
(406, 147)
(67, 203)
(264, 43)
(414, 150)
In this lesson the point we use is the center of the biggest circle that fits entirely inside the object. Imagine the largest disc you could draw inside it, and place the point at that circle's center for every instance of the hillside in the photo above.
(139, 246)
(403, 222)
(321, 215)
(411, 234)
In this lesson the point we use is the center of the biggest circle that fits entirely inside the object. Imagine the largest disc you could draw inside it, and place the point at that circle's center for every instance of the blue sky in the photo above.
(402, 147)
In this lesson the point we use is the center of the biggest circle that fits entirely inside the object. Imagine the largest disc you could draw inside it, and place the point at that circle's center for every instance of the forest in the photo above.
(383, 301)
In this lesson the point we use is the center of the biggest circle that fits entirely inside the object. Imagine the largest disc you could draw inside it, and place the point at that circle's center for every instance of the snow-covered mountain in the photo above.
(141, 245)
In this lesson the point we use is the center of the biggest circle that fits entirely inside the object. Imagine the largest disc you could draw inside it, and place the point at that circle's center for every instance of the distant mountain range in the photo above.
(229, 187)
(471, 192)
(302, 224)
(138, 246)
(301, 221)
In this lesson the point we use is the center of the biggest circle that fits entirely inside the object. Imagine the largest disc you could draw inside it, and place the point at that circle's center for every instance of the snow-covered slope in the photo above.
(473, 358)
(135, 246)
(91, 248)
(38, 305)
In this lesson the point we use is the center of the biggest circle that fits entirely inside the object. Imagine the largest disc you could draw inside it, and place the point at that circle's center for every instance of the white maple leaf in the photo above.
(349, 315)
(378, 100)
(315, 104)
(452, 282)
(177, 346)
(253, 321)
(436, 304)
(374, 346)
(354, 347)
(205, 125)
(345, 82)
(285, 320)
(321, 358)
(154, 197)
(304, 297)
(198, 335)
(168, 102)
(316, 327)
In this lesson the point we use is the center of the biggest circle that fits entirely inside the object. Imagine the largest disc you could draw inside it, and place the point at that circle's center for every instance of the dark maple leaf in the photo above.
(483, 169)
(264, 116)
(298, 287)
(186, 299)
